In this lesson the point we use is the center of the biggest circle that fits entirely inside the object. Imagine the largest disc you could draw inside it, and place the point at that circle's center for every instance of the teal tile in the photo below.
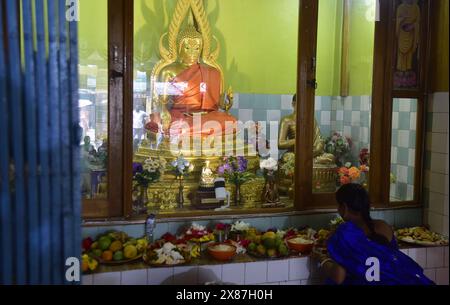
(260, 115)
(89, 232)
(413, 105)
(347, 117)
(260, 101)
(395, 105)
(325, 130)
(394, 137)
(356, 103)
(401, 190)
(274, 101)
(135, 230)
(365, 119)
(404, 119)
(281, 222)
(412, 139)
(402, 156)
(411, 173)
(297, 221)
(178, 227)
(355, 133)
(326, 103)
(161, 229)
(234, 112)
(317, 115)
(246, 101)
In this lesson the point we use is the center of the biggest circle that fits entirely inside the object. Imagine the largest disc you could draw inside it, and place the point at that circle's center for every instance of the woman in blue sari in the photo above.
(363, 251)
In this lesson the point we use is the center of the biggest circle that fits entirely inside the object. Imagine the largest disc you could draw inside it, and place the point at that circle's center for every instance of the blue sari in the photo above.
(350, 248)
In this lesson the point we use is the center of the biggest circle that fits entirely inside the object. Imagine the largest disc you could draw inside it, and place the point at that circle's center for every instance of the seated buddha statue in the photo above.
(190, 88)
(286, 141)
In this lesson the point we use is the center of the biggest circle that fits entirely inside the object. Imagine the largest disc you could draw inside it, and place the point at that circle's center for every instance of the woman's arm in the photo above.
(333, 271)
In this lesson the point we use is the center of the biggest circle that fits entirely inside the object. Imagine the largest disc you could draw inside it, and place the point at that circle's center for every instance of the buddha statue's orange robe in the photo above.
(196, 90)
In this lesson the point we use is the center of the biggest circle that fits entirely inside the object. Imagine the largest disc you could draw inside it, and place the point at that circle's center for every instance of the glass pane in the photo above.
(403, 149)
(93, 103)
(408, 30)
(232, 72)
(344, 93)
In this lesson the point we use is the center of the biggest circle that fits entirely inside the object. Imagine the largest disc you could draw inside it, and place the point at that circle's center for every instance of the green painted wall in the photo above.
(258, 41)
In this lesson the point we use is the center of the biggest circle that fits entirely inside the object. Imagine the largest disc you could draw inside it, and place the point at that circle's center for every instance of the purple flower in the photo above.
(242, 164)
(137, 168)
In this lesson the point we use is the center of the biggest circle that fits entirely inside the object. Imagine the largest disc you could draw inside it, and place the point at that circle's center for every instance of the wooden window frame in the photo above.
(120, 93)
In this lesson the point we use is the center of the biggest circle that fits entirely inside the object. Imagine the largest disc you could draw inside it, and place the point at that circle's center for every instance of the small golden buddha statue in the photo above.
(287, 134)
(207, 176)
(286, 141)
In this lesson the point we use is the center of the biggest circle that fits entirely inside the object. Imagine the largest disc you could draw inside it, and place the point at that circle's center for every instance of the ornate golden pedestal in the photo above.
(324, 178)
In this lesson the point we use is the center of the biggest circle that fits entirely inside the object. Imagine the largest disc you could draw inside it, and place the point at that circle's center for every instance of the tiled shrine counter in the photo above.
(247, 270)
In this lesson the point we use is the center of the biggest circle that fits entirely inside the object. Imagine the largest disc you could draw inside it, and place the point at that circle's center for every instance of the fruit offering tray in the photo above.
(115, 248)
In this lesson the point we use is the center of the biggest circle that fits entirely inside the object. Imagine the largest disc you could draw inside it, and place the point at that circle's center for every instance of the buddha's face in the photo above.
(190, 50)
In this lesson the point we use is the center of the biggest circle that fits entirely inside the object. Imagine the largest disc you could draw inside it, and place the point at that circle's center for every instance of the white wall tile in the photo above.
(437, 183)
(435, 257)
(134, 277)
(233, 273)
(186, 275)
(435, 221)
(403, 138)
(210, 273)
(255, 273)
(395, 120)
(446, 262)
(413, 121)
(438, 142)
(278, 271)
(108, 278)
(419, 255)
(440, 102)
(437, 201)
(160, 276)
(87, 279)
(406, 251)
(297, 282)
(431, 274)
(299, 268)
(439, 163)
(405, 105)
(245, 115)
(286, 102)
(442, 276)
(440, 122)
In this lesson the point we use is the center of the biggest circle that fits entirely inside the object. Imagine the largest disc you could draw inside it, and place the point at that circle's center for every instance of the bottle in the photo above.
(150, 224)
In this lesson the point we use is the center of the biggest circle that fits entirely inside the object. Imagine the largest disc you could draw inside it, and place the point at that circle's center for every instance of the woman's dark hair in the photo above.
(357, 200)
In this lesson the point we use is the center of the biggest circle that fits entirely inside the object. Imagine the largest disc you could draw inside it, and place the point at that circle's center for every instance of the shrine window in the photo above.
(196, 108)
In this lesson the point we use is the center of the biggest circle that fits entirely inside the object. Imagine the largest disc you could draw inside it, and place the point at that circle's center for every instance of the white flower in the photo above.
(198, 227)
(281, 233)
(348, 164)
(269, 164)
(240, 226)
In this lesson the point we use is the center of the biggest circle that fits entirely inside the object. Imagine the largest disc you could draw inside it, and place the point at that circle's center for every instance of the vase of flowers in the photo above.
(143, 175)
(238, 230)
(221, 231)
(353, 174)
(270, 195)
(181, 168)
(234, 170)
(340, 147)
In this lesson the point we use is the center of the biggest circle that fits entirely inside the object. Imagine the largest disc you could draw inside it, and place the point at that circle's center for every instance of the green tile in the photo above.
(404, 120)
(246, 101)
(402, 156)
(347, 117)
(395, 105)
(326, 103)
(413, 105)
(411, 172)
(412, 139)
(356, 103)
(394, 137)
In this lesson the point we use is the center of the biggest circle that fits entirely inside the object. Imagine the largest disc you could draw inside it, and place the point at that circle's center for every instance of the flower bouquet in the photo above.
(352, 174)
(181, 168)
(221, 230)
(143, 175)
(198, 235)
(270, 195)
(234, 170)
(340, 147)
(239, 230)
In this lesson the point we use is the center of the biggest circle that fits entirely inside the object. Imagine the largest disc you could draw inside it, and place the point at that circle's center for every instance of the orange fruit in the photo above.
(84, 265)
(107, 255)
